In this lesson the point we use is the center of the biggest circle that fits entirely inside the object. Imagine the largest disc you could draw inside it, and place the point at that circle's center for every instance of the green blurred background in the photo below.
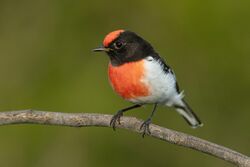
(46, 63)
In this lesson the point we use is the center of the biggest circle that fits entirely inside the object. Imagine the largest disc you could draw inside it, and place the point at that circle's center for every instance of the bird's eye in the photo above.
(118, 45)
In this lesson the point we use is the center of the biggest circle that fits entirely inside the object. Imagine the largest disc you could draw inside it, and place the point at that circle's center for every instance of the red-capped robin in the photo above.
(138, 74)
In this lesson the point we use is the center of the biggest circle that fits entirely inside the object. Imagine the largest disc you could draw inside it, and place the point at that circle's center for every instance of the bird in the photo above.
(140, 75)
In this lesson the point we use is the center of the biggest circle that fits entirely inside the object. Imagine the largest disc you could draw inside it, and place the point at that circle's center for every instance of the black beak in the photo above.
(101, 49)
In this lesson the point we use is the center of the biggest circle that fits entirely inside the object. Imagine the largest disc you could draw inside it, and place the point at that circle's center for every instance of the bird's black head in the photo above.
(125, 46)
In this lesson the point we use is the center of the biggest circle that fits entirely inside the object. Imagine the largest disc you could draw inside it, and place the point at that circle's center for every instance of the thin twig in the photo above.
(129, 123)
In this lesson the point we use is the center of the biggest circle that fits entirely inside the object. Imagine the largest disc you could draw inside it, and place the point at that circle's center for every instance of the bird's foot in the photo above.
(115, 119)
(145, 127)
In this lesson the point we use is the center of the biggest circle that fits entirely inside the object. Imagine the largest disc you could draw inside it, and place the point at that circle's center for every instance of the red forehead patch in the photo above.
(111, 37)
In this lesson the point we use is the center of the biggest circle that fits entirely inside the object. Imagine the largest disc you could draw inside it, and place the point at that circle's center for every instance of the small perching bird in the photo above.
(138, 74)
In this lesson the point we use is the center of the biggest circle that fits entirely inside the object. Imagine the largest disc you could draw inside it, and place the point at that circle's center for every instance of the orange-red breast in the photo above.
(138, 74)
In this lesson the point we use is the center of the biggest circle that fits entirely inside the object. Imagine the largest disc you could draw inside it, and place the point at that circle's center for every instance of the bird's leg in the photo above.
(145, 124)
(117, 116)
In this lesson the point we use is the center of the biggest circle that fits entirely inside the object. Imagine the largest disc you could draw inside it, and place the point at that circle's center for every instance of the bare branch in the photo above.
(129, 123)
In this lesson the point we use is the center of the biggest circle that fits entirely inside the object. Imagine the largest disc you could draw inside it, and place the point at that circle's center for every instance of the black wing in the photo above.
(166, 68)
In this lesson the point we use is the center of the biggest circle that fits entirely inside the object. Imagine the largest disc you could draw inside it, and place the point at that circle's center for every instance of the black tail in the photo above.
(188, 114)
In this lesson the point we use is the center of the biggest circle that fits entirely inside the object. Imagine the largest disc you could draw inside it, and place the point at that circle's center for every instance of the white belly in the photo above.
(162, 85)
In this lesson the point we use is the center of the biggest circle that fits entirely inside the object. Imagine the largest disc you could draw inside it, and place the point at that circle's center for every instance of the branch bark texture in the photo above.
(129, 123)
